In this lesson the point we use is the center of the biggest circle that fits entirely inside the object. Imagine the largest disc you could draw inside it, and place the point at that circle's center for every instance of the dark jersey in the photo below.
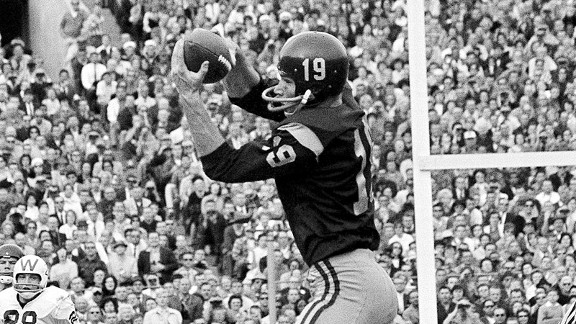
(320, 160)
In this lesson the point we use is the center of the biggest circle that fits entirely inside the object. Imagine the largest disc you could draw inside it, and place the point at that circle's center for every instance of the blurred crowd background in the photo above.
(99, 176)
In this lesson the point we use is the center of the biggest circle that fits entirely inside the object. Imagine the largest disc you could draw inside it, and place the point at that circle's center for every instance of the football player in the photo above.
(9, 254)
(29, 301)
(319, 156)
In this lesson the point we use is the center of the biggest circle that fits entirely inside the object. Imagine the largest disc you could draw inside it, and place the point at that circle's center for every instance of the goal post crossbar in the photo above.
(496, 160)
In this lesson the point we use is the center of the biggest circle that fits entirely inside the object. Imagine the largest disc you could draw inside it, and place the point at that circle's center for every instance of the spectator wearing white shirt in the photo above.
(144, 97)
(116, 104)
(65, 270)
(212, 10)
(94, 224)
(162, 313)
(401, 237)
(105, 89)
(70, 226)
(93, 71)
(548, 195)
(51, 102)
(120, 264)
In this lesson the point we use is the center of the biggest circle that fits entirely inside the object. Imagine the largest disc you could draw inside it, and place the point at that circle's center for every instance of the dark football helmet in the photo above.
(9, 254)
(317, 63)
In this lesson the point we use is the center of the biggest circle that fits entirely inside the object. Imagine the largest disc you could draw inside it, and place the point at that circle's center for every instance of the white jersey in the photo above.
(52, 306)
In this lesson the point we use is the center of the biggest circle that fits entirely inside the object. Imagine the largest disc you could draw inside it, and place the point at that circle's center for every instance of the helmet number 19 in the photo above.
(318, 66)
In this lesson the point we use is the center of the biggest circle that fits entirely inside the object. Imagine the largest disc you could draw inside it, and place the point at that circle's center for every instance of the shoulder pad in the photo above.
(304, 136)
(8, 297)
(53, 301)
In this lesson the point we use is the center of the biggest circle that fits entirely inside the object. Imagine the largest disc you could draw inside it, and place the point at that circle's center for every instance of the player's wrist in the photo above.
(190, 93)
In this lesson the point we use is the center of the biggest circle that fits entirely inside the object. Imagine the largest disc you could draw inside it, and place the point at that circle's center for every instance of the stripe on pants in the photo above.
(570, 316)
(332, 300)
(331, 291)
(316, 303)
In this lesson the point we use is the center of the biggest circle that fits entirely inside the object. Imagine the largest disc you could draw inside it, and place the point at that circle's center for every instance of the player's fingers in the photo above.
(232, 56)
(177, 57)
(232, 49)
(203, 70)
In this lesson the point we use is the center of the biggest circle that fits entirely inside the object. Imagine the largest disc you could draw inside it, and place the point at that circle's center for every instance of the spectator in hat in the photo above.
(470, 142)
(121, 264)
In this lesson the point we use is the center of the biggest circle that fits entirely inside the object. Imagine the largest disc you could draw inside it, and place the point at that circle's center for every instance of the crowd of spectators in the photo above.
(98, 173)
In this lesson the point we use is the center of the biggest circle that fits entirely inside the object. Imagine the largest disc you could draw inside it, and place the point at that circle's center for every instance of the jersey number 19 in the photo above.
(362, 147)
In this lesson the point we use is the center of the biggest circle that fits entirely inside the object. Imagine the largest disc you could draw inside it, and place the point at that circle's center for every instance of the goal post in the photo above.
(424, 163)
(425, 261)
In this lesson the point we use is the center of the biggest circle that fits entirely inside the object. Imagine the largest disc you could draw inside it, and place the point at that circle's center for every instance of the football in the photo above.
(204, 45)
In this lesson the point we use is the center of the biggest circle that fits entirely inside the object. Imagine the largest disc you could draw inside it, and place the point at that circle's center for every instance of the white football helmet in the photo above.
(30, 264)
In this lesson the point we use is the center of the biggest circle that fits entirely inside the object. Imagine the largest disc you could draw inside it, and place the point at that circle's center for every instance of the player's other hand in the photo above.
(234, 50)
(187, 82)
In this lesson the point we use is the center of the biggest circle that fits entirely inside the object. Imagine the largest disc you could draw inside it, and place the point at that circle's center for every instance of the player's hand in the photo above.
(186, 81)
(157, 267)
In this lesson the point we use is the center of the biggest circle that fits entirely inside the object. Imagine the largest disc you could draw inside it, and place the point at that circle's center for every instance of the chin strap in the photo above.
(27, 295)
(5, 280)
(288, 103)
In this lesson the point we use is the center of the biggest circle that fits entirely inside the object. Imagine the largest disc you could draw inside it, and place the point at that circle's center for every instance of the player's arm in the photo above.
(189, 84)
(244, 86)
(292, 150)
(63, 313)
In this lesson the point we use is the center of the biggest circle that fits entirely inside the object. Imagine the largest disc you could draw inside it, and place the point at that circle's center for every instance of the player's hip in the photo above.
(350, 288)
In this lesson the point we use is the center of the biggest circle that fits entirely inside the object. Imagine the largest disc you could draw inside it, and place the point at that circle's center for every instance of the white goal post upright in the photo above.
(424, 163)
(425, 261)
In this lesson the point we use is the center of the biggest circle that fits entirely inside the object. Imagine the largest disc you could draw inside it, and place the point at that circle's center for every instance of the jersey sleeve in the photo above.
(64, 312)
(253, 102)
(293, 149)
